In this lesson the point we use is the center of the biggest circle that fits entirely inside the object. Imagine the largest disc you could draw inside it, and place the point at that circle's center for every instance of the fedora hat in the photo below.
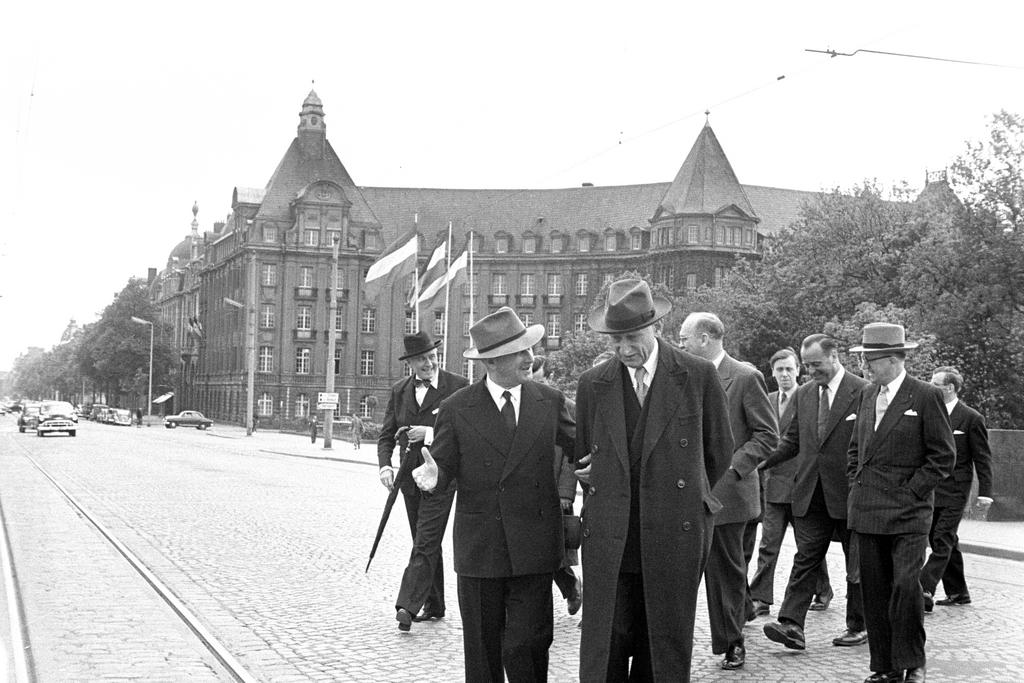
(418, 343)
(500, 334)
(883, 337)
(630, 306)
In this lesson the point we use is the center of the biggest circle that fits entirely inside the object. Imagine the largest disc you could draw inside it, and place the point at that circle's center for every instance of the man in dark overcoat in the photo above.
(972, 455)
(498, 438)
(902, 447)
(755, 433)
(409, 424)
(653, 438)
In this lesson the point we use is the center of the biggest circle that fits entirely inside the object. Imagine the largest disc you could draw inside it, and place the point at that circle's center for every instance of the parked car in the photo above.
(57, 416)
(119, 416)
(29, 417)
(188, 418)
(96, 410)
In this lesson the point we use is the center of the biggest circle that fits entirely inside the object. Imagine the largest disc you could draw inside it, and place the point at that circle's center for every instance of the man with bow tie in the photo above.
(902, 447)
(409, 423)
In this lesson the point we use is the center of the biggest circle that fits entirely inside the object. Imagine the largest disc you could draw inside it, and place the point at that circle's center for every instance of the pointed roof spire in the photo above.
(705, 183)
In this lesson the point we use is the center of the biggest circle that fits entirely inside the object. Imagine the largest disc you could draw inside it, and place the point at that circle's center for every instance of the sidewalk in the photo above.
(993, 539)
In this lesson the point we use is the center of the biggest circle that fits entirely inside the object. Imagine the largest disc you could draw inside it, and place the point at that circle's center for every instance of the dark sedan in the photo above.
(188, 418)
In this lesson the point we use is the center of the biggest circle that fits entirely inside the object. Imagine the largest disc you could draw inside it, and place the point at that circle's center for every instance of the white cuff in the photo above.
(389, 468)
(984, 499)
(428, 438)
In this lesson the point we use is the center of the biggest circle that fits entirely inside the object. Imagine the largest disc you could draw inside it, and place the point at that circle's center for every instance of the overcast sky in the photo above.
(116, 117)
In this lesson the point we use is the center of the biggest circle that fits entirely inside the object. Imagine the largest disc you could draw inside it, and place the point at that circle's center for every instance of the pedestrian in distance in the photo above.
(653, 439)
(138, 417)
(902, 447)
(755, 433)
(498, 438)
(255, 421)
(312, 427)
(972, 456)
(356, 428)
(816, 443)
(777, 496)
(409, 419)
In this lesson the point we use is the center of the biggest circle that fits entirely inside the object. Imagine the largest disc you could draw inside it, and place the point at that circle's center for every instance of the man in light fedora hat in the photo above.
(653, 438)
(409, 424)
(497, 437)
(901, 448)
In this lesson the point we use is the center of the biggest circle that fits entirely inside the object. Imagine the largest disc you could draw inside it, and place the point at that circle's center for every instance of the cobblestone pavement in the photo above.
(270, 551)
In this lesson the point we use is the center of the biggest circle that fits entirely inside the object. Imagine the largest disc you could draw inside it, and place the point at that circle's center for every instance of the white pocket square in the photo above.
(911, 412)
(851, 416)
(957, 431)
(434, 411)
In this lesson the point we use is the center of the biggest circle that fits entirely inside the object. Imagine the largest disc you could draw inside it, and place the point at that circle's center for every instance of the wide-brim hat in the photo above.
(882, 337)
(418, 343)
(630, 306)
(500, 334)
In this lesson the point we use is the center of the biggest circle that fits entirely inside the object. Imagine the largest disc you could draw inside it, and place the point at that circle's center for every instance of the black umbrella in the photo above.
(403, 471)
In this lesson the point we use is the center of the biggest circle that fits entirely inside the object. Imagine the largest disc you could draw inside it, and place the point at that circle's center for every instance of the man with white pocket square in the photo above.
(902, 447)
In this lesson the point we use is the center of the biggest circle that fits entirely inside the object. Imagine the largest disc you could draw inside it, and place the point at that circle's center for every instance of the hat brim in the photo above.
(528, 340)
(597, 322)
(874, 349)
(422, 351)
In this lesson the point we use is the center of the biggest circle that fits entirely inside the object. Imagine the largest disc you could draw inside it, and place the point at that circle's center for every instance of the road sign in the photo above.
(327, 397)
(326, 406)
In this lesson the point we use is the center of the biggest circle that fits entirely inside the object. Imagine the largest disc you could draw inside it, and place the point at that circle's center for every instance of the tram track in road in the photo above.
(21, 664)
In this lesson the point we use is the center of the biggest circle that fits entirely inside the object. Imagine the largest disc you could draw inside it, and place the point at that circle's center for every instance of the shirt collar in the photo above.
(717, 360)
(496, 390)
(833, 384)
(951, 405)
(650, 365)
(894, 386)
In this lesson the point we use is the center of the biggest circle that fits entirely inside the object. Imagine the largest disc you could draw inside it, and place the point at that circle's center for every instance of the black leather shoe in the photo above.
(851, 638)
(821, 602)
(790, 635)
(575, 599)
(758, 609)
(885, 677)
(915, 675)
(929, 602)
(957, 599)
(428, 615)
(735, 657)
(404, 619)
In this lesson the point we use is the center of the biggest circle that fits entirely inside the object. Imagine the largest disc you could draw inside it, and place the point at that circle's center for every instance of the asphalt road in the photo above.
(269, 551)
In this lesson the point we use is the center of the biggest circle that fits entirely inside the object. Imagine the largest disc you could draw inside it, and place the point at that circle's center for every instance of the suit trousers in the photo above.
(773, 530)
(507, 627)
(890, 574)
(629, 634)
(423, 580)
(725, 580)
(814, 532)
(945, 562)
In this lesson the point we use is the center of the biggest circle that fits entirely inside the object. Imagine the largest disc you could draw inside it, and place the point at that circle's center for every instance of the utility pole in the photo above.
(332, 341)
(251, 345)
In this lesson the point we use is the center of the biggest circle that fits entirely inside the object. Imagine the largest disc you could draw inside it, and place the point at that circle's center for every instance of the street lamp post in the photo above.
(149, 406)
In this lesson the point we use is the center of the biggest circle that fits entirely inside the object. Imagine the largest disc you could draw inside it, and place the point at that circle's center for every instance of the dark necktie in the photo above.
(508, 413)
(782, 402)
(641, 388)
(421, 382)
(822, 413)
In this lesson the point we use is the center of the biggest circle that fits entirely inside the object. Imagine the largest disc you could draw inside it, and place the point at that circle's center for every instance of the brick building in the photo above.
(546, 253)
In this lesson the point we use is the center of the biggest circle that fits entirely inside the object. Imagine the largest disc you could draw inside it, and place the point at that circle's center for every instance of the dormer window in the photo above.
(610, 243)
(311, 238)
(635, 240)
(269, 233)
(530, 245)
(557, 244)
(584, 242)
(501, 244)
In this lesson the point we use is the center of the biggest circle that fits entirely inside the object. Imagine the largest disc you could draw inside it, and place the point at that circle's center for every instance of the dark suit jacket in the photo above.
(894, 471)
(777, 482)
(826, 460)
(755, 433)
(402, 411)
(972, 454)
(508, 518)
(687, 445)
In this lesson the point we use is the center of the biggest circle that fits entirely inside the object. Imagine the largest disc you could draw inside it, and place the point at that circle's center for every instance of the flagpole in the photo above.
(472, 294)
(416, 299)
(447, 288)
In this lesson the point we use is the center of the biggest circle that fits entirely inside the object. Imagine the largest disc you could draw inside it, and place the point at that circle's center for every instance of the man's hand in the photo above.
(425, 475)
(981, 509)
(417, 433)
(583, 473)
(387, 477)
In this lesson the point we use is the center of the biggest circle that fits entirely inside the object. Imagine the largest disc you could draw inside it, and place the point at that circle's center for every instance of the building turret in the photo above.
(312, 129)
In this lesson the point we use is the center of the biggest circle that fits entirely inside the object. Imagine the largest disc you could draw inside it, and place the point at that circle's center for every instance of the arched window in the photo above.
(302, 405)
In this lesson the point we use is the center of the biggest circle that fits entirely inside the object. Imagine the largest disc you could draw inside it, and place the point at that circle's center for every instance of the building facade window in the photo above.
(266, 359)
(526, 317)
(303, 360)
(471, 287)
(438, 324)
(265, 405)
(268, 316)
(557, 244)
(526, 284)
(466, 323)
(306, 276)
(530, 245)
(269, 233)
(410, 322)
(268, 274)
(340, 281)
(499, 284)
(584, 243)
(579, 322)
(311, 238)
(366, 359)
(581, 284)
(554, 284)
(691, 283)
(501, 244)
(364, 407)
(302, 405)
(337, 361)
(720, 235)
(339, 319)
(610, 242)
(332, 237)
(692, 234)
(369, 320)
(303, 318)
(719, 275)
(635, 240)
(554, 325)
(608, 278)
